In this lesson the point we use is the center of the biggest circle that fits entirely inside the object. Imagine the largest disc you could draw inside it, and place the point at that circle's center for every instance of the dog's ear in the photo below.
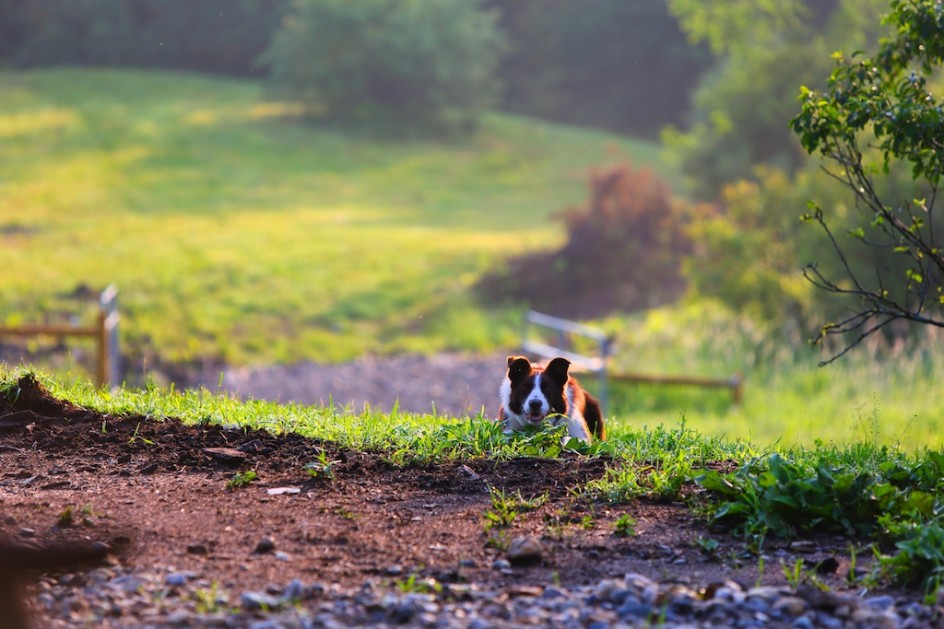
(518, 367)
(557, 369)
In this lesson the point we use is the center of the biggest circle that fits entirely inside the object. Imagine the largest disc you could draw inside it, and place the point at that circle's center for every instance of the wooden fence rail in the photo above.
(599, 364)
(735, 383)
(104, 331)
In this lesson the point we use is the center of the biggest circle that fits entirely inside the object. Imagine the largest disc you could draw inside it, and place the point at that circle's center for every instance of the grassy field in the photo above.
(236, 234)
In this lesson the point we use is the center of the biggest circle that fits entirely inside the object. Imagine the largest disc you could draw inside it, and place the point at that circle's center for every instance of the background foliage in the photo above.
(386, 62)
(622, 252)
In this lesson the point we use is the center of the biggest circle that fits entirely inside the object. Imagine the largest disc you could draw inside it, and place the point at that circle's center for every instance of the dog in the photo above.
(530, 394)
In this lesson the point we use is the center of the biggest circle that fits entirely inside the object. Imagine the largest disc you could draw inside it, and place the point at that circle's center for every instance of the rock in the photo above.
(280, 491)
(525, 551)
(468, 473)
(552, 592)
(880, 603)
(127, 583)
(265, 545)
(822, 564)
(197, 549)
(632, 610)
(226, 455)
(501, 564)
(876, 620)
(254, 601)
(178, 579)
(790, 606)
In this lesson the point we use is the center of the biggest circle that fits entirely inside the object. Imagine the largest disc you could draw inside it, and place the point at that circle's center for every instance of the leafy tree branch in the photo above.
(879, 113)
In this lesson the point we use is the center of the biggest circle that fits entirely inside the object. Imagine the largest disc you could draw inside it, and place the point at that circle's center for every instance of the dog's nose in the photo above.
(535, 405)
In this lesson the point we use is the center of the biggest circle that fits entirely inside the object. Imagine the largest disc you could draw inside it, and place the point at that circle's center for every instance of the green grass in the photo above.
(878, 395)
(237, 234)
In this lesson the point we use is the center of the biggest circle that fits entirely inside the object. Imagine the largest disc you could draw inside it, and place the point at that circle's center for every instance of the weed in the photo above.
(322, 466)
(708, 546)
(241, 479)
(794, 573)
(66, 518)
(415, 585)
(506, 508)
(345, 513)
(499, 541)
(625, 526)
(134, 436)
(210, 600)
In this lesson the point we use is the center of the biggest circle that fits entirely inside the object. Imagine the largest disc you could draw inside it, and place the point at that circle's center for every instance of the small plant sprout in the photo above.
(415, 585)
(625, 526)
(66, 518)
(241, 479)
(210, 600)
(322, 466)
(134, 436)
(708, 545)
(499, 541)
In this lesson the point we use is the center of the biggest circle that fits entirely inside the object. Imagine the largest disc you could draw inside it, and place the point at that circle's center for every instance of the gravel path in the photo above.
(110, 597)
(454, 385)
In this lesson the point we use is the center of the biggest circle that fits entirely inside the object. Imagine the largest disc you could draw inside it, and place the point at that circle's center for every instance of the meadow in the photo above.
(239, 235)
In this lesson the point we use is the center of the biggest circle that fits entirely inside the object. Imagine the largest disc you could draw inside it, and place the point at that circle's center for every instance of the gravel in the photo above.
(126, 597)
(454, 385)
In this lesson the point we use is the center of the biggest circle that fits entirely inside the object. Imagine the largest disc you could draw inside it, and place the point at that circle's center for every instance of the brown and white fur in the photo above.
(530, 394)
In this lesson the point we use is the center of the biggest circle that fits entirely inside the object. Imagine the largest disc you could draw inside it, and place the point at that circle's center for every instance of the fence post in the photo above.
(108, 317)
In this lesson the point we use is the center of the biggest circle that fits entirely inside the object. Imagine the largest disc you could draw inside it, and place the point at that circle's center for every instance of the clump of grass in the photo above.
(625, 526)
(507, 507)
(241, 479)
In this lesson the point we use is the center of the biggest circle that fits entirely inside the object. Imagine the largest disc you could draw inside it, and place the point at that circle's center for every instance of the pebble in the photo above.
(139, 597)
(525, 551)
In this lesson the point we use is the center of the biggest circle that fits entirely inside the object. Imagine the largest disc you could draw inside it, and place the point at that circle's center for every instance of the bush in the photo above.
(220, 36)
(623, 252)
(392, 62)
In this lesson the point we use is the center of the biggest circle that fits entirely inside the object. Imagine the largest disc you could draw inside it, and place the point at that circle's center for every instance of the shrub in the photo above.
(623, 252)
(392, 62)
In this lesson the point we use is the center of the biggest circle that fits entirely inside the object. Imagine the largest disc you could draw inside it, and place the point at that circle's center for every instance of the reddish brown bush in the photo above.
(623, 252)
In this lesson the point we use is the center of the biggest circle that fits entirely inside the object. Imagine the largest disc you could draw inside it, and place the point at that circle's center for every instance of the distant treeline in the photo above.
(624, 66)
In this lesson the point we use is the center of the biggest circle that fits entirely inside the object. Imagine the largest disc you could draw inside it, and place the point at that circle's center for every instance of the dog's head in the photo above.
(536, 392)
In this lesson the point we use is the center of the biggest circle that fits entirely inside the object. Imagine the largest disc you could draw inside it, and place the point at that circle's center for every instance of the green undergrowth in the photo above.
(886, 498)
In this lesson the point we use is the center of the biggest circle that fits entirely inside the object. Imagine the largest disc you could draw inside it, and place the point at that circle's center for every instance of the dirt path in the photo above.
(454, 385)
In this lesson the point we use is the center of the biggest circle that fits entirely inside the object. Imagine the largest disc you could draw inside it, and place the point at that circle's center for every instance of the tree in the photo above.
(612, 64)
(765, 48)
(387, 62)
(879, 113)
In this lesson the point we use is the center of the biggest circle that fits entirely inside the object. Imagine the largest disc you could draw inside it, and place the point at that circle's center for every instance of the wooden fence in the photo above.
(599, 363)
(104, 331)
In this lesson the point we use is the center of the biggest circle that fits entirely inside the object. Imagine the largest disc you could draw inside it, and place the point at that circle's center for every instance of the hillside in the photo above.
(239, 234)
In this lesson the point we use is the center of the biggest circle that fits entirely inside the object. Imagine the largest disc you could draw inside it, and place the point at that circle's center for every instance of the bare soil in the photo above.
(157, 493)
